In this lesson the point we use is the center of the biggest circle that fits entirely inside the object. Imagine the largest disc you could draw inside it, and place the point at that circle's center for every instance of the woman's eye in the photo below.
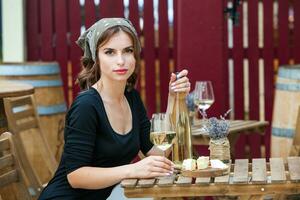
(109, 52)
(129, 50)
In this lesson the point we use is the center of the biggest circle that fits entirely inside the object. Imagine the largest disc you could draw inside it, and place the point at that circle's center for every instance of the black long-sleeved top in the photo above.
(91, 141)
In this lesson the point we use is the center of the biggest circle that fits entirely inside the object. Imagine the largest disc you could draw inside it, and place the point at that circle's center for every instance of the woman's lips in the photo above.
(120, 71)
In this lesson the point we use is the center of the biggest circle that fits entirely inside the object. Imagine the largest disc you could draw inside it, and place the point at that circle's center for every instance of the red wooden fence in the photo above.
(53, 26)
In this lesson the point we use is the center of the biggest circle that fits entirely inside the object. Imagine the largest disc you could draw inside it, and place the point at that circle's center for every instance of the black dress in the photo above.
(91, 141)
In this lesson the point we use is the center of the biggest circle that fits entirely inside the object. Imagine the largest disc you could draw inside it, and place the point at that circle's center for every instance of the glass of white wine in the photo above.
(162, 132)
(203, 96)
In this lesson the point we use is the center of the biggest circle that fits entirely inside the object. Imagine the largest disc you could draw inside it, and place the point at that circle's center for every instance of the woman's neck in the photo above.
(111, 92)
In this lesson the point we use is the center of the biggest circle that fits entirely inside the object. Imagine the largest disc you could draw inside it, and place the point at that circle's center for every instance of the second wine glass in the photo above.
(203, 96)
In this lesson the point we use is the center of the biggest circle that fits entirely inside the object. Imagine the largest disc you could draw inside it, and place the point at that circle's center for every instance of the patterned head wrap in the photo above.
(88, 40)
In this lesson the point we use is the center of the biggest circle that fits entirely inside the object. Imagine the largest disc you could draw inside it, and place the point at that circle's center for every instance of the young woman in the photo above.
(107, 123)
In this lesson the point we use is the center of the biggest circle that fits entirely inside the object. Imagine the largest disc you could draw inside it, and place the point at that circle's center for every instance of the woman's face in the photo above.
(116, 57)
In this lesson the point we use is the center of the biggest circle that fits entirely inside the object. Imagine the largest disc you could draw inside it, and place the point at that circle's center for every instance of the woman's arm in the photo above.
(97, 178)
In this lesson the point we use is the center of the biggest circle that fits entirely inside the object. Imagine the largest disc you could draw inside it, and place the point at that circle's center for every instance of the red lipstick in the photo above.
(120, 71)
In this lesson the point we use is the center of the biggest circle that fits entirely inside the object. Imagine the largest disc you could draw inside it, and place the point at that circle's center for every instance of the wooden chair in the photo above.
(295, 150)
(12, 179)
(37, 159)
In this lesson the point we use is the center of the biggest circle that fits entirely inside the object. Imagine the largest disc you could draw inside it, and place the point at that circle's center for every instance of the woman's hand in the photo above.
(182, 84)
(152, 166)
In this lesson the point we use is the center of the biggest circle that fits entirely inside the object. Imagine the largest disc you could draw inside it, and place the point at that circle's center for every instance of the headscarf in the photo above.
(89, 39)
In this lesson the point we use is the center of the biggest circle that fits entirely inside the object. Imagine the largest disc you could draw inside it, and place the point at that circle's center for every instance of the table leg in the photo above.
(3, 120)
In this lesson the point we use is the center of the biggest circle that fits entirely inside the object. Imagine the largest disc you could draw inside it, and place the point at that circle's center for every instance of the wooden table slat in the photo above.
(128, 183)
(202, 180)
(294, 168)
(277, 170)
(166, 181)
(222, 179)
(259, 170)
(182, 180)
(240, 173)
(146, 182)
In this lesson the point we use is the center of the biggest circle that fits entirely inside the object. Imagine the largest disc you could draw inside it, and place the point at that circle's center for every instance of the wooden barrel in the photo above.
(285, 110)
(49, 96)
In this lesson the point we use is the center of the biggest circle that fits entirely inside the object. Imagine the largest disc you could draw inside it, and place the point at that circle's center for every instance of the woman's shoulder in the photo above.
(85, 99)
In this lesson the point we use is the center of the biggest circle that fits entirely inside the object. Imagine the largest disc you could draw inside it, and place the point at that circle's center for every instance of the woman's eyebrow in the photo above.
(108, 49)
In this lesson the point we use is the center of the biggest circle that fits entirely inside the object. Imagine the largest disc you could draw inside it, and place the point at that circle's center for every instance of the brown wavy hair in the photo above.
(91, 72)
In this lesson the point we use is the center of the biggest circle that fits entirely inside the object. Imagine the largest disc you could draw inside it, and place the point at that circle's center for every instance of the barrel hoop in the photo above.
(283, 132)
(290, 73)
(45, 110)
(53, 109)
(42, 83)
(288, 87)
(28, 70)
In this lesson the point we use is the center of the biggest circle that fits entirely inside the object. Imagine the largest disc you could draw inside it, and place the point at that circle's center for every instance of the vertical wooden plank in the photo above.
(296, 5)
(204, 33)
(111, 8)
(134, 15)
(32, 30)
(175, 34)
(238, 57)
(253, 56)
(283, 40)
(75, 52)
(163, 51)
(149, 56)
(134, 18)
(90, 13)
(277, 170)
(61, 43)
(240, 172)
(47, 30)
(268, 56)
(259, 170)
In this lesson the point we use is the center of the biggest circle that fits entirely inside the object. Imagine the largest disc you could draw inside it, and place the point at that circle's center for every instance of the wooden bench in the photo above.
(248, 180)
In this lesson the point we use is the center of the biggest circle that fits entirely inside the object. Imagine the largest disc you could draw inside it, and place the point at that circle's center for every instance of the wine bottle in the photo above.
(182, 147)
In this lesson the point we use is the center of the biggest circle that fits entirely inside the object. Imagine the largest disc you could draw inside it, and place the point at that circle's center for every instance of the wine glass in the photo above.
(162, 132)
(203, 96)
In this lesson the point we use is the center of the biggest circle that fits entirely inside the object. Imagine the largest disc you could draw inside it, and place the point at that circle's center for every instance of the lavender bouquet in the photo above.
(218, 130)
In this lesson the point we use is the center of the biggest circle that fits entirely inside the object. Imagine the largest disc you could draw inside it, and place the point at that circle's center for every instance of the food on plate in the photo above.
(189, 164)
(215, 163)
(202, 162)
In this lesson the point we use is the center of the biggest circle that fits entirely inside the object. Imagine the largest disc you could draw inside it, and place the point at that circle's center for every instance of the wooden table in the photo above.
(237, 127)
(11, 89)
(247, 180)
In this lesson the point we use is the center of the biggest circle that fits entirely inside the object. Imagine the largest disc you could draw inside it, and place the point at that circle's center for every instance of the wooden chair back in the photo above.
(36, 156)
(295, 150)
(12, 179)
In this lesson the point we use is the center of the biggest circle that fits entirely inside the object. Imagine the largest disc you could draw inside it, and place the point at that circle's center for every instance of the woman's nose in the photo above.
(120, 59)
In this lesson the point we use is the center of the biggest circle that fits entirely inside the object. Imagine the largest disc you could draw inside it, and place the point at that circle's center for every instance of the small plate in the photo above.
(207, 172)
